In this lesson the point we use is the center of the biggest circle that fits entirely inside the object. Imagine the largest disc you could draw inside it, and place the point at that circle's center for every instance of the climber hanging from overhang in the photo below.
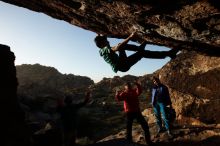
(122, 62)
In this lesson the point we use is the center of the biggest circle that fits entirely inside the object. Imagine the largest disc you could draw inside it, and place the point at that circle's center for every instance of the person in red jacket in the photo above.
(131, 106)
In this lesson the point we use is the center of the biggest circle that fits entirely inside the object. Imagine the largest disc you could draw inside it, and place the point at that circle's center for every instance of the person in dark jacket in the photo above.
(131, 107)
(68, 113)
(160, 100)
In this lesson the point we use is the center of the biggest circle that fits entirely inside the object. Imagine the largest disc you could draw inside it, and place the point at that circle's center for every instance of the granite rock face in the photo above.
(183, 24)
(194, 85)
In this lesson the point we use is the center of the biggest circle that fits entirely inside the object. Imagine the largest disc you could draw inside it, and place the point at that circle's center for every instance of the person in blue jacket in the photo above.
(160, 100)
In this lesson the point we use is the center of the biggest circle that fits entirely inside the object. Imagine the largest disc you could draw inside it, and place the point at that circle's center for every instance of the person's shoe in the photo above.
(173, 53)
(160, 130)
(169, 133)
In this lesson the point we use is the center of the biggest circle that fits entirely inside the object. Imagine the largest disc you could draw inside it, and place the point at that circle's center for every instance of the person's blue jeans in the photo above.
(160, 109)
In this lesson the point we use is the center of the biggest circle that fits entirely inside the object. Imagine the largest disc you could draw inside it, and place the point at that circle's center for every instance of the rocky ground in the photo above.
(183, 135)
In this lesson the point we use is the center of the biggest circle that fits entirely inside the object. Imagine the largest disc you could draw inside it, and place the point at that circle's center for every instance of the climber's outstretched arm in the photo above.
(120, 46)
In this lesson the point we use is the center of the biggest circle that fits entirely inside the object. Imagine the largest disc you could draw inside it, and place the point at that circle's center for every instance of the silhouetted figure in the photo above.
(161, 99)
(68, 112)
(132, 109)
(122, 62)
(13, 128)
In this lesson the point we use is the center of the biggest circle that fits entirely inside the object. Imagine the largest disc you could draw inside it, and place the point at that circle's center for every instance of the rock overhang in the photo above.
(191, 25)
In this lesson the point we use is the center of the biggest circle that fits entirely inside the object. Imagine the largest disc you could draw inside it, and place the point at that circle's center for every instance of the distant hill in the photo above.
(41, 86)
(38, 80)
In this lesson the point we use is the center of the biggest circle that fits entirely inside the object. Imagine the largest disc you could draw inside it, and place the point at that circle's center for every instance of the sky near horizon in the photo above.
(38, 38)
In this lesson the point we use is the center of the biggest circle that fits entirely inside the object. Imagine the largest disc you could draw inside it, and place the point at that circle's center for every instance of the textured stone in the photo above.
(184, 24)
(193, 81)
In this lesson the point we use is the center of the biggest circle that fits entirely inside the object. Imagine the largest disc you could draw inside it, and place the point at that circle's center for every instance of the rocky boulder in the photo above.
(193, 81)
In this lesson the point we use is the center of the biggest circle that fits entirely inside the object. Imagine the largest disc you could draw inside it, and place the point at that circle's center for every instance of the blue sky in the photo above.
(38, 38)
